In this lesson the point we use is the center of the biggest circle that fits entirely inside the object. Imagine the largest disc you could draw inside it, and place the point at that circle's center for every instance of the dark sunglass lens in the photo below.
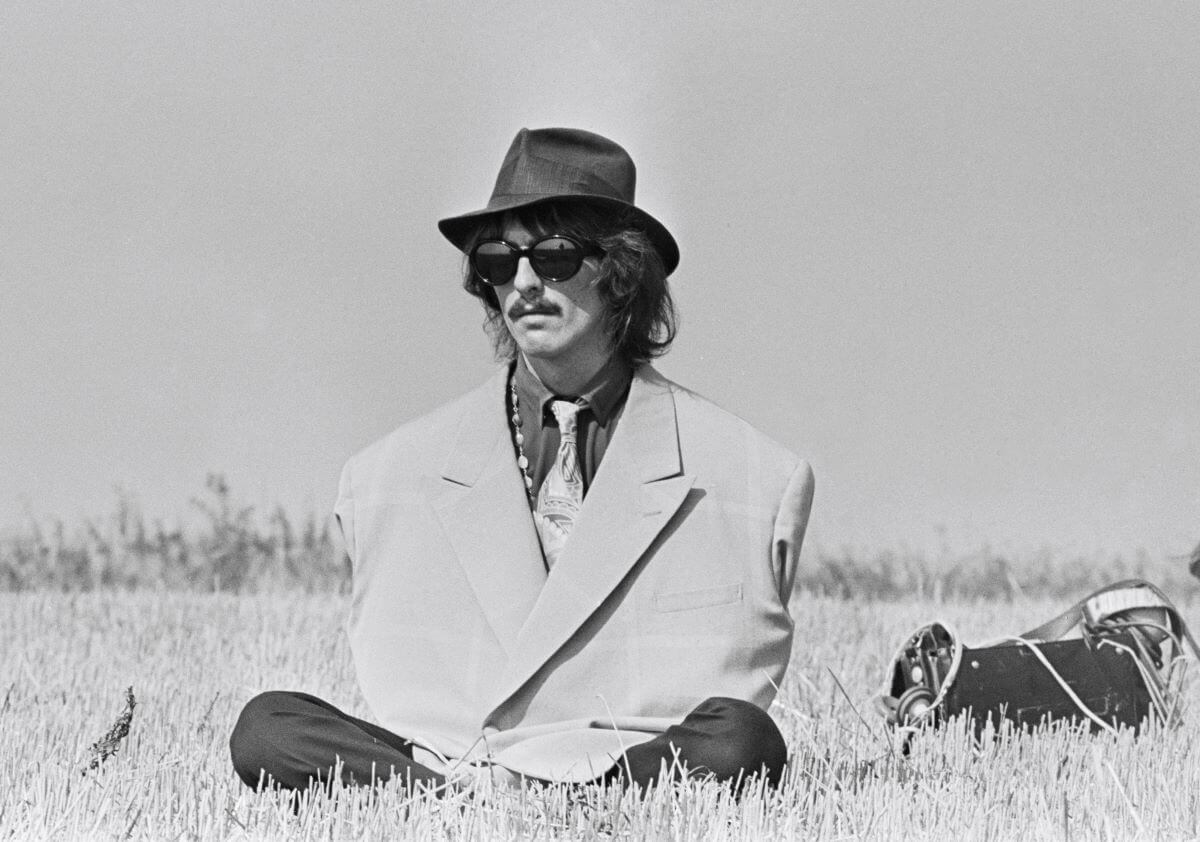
(495, 263)
(556, 258)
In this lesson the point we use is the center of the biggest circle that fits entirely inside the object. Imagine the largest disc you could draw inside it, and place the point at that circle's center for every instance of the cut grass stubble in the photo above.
(193, 660)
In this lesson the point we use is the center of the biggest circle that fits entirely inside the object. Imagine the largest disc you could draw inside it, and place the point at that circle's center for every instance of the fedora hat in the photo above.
(547, 165)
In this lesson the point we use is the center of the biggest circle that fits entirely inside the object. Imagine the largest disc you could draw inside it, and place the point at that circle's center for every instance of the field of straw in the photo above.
(193, 648)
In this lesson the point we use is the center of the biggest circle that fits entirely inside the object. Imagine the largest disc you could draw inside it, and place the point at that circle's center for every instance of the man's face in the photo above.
(560, 323)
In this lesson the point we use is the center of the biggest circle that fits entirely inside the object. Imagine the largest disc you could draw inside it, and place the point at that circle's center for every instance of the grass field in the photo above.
(193, 659)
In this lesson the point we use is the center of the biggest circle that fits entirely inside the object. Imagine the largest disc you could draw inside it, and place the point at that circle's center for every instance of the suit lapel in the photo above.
(638, 488)
(481, 504)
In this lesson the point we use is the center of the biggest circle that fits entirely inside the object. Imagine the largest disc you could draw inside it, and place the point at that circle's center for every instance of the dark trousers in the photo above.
(296, 740)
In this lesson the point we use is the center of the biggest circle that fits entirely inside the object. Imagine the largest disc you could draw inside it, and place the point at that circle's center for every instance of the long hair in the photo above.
(639, 315)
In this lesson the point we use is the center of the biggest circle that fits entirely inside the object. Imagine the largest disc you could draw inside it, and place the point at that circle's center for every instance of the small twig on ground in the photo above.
(203, 723)
(107, 746)
(133, 823)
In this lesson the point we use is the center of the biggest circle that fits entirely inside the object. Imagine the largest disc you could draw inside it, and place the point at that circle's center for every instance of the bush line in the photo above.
(234, 549)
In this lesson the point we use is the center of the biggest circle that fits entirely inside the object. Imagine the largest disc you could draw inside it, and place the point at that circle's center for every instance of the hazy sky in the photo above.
(947, 252)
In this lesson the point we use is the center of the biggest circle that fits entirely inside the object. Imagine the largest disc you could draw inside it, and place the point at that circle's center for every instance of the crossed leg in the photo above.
(296, 740)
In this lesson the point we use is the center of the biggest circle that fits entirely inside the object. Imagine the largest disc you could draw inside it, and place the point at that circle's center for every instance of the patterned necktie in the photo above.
(561, 494)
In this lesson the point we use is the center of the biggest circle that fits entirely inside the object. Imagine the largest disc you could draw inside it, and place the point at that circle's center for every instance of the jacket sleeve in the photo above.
(343, 511)
(790, 525)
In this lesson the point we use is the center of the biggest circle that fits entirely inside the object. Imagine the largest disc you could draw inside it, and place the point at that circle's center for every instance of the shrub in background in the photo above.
(234, 549)
(986, 574)
(231, 549)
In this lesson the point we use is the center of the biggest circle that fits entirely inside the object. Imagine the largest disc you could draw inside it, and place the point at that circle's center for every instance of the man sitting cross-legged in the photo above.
(579, 571)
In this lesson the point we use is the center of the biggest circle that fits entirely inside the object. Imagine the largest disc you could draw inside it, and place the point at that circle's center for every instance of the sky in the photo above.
(946, 252)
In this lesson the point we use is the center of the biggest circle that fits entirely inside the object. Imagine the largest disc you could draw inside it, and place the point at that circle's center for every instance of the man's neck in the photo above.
(567, 377)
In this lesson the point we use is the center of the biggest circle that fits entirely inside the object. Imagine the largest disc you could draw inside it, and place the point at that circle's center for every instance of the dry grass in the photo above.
(193, 659)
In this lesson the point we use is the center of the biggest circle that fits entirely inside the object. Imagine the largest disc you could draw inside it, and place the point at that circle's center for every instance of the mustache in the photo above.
(525, 308)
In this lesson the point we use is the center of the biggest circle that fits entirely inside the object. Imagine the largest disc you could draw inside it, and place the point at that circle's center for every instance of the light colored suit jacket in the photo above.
(672, 588)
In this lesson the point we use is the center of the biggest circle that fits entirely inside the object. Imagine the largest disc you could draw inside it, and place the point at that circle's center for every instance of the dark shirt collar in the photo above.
(602, 394)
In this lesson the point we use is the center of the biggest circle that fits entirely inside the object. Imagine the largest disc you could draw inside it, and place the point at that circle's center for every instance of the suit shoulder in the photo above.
(700, 419)
(692, 407)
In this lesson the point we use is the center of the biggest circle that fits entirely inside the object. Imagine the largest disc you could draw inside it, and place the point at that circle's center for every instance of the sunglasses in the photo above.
(555, 258)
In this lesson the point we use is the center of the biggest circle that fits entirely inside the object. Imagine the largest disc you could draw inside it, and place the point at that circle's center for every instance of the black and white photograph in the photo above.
(670, 421)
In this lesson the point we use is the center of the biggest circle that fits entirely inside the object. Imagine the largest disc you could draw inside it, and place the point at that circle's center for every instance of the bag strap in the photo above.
(1057, 628)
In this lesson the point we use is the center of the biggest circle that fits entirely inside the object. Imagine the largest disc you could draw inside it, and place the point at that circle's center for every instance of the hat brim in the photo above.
(459, 229)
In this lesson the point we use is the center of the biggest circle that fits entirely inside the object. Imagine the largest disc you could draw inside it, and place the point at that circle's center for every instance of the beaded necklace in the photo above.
(519, 437)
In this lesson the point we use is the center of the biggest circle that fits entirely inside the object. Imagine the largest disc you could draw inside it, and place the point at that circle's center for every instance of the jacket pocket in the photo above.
(702, 598)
